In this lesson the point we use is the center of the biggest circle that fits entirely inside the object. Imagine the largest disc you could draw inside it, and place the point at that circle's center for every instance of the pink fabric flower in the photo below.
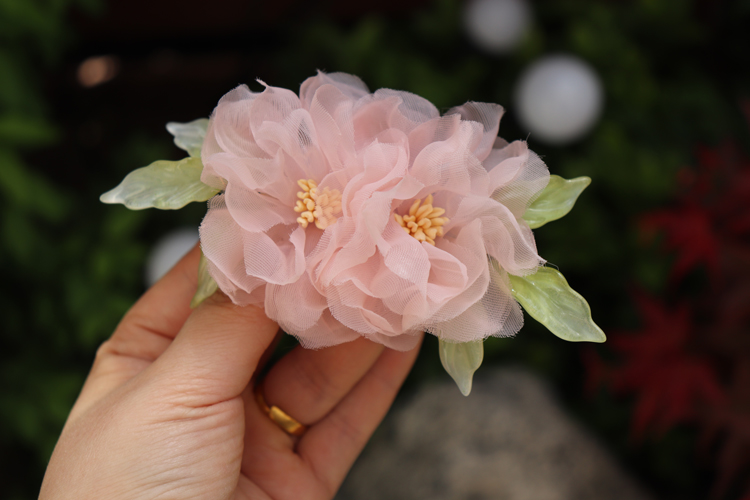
(314, 223)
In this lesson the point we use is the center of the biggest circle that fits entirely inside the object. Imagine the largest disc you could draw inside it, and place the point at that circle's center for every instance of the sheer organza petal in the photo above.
(412, 109)
(221, 242)
(229, 126)
(240, 296)
(489, 116)
(325, 333)
(295, 306)
(256, 212)
(468, 247)
(506, 239)
(450, 165)
(349, 86)
(331, 114)
(403, 342)
(276, 256)
(372, 116)
(437, 130)
(528, 183)
(496, 314)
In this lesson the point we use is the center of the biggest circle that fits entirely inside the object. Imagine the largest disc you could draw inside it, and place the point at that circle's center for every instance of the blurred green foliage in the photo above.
(66, 271)
(71, 267)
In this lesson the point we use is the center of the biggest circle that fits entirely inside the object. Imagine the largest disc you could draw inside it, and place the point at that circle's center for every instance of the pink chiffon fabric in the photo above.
(363, 275)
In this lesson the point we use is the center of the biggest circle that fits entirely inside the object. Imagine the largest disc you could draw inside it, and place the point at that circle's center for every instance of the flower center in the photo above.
(423, 222)
(322, 208)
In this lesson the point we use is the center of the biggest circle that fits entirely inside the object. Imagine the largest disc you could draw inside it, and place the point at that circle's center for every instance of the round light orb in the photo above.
(558, 99)
(168, 251)
(497, 26)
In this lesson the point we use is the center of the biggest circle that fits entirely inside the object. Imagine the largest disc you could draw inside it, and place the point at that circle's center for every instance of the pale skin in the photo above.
(168, 411)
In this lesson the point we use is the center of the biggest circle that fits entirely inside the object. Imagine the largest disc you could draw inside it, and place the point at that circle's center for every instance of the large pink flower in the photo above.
(348, 214)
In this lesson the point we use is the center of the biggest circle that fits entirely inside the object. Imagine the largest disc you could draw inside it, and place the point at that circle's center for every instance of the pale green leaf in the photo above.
(206, 284)
(555, 201)
(189, 136)
(548, 298)
(461, 361)
(168, 185)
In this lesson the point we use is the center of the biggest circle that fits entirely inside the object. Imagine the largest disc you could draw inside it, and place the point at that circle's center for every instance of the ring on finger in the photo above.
(277, 415)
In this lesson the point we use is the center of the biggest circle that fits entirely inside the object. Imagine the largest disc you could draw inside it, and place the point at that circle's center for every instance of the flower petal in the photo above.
(331, 114)
(325, 333)
(222, 245)
(296, 306)
(256, 212)
(348, 85)
(509, 242)
(496, 314)
(275, 256)
(530, 180)
(413, 109)
(450, 165)
(489, 116)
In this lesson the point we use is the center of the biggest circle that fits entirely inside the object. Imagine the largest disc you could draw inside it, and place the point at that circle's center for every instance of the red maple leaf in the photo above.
(688, 233)
(670, 381)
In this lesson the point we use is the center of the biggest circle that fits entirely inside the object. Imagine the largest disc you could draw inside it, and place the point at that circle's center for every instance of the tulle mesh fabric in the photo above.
(363, 275)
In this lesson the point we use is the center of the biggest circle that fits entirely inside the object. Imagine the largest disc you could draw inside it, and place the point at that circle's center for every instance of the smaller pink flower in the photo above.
(347, 213)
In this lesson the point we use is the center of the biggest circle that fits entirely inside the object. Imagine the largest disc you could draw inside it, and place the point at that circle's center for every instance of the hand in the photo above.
(168, 409)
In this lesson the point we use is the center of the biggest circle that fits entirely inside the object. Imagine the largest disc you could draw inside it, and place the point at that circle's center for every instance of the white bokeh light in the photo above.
(497, 26)
(558, 99)
(167, 251)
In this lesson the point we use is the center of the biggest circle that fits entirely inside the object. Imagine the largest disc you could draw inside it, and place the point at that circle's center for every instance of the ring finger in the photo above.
(307, 384)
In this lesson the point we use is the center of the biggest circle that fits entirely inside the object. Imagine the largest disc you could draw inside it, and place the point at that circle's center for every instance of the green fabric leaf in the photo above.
(461, 361)
(555, 201)
(548, 298)
(206, 284)
(189, 136)
(167, 185)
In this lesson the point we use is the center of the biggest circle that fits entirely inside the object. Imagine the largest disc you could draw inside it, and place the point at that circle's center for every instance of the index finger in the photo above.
(144, 333)
(151, 324)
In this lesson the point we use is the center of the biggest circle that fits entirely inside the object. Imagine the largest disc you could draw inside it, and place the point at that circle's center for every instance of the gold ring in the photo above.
(287, 423)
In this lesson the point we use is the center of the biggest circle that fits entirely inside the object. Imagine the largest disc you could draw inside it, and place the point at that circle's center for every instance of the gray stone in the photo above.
(509, 440)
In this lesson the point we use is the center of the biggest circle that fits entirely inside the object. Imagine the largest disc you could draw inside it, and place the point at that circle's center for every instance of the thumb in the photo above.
(215, 354)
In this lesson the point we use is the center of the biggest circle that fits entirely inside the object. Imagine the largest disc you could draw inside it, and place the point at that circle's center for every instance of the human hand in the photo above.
(168, 409)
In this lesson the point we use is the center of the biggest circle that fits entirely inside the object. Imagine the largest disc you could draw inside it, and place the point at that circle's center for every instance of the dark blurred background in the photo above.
(659, 243)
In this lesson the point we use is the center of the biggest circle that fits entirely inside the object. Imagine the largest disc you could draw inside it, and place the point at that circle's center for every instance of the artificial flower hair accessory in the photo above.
(345, 214)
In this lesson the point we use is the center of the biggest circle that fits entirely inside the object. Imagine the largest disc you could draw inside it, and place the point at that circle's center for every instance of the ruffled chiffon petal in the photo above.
(256, 212)
(276, 256)
(449, 165)
(517, 177)
(496, 314)
(488, 115)
(348, 85)
(506, 239)
(296, 306)
(221, 243)
(326, 332)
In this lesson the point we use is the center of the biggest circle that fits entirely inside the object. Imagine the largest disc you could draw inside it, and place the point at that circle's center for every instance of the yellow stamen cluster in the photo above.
(322, 208)
(424, 221)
